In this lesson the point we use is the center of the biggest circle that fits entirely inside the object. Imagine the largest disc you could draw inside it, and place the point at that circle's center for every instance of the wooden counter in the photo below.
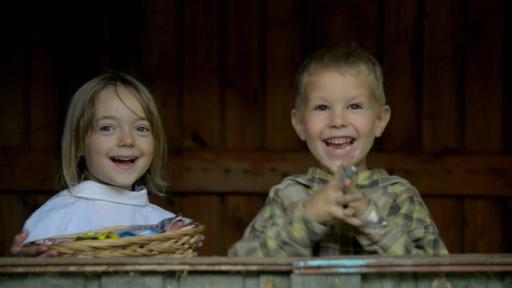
(471, 270)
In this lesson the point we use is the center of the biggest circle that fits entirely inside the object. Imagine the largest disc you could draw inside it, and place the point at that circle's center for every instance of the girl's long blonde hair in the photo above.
(80, 123)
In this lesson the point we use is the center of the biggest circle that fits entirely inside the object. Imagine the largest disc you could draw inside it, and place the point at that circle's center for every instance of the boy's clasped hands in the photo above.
(338, 200)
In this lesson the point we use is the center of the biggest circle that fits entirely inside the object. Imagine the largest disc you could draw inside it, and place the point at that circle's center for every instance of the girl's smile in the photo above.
(119, 150)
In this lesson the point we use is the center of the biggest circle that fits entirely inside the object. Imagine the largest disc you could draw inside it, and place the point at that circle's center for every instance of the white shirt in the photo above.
(91, 206)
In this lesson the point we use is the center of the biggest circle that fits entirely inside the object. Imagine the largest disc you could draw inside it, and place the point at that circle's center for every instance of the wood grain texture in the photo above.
(448, 214)
(484, 77)
(283, 56)
(163, 65)
(202, 107)
(238, 212)
(243, 75)
(442, 75)
(255, 172)
(401, 67)
(484, 224)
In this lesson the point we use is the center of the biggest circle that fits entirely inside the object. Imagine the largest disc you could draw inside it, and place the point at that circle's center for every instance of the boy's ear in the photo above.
(382, 120)
(298, 124)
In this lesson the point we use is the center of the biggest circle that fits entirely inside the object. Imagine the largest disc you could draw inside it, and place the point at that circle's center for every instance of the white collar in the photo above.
(93, 190)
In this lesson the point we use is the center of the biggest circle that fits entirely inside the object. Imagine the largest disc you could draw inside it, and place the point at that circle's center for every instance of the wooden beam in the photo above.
(255, 172)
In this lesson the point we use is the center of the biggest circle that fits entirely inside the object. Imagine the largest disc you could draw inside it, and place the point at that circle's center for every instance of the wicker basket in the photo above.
(178, 244)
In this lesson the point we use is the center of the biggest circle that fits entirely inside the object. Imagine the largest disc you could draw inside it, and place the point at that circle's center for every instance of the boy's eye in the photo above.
(320, 107)
(355, 106)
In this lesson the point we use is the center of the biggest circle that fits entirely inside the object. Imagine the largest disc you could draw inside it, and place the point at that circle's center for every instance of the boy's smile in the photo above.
(119, 150)
(340, 118)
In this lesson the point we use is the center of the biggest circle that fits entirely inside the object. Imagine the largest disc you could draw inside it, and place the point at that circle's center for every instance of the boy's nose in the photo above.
(126, 139)
(337, 119)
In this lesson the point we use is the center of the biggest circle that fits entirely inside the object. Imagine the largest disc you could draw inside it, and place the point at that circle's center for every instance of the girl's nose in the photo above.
(126, 139)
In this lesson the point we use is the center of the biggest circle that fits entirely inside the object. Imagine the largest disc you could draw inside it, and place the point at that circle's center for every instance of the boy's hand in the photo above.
(17, 248)
(337, 200)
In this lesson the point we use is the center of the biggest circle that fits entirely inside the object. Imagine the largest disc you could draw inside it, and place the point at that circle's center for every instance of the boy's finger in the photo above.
(336, 179)
(353, 221)
(349, 211)
(350, 197)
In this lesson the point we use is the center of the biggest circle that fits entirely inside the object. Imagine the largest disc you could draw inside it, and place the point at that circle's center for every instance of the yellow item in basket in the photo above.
(92, 235)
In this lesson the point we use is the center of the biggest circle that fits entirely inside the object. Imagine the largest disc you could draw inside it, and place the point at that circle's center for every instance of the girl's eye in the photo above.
(143, 129)
(320, 107)
(106, 128)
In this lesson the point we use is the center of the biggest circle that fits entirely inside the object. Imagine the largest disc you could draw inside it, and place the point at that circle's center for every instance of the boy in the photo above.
(340, 108)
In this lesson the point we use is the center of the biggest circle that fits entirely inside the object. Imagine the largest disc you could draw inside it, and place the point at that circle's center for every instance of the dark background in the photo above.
(222, 73)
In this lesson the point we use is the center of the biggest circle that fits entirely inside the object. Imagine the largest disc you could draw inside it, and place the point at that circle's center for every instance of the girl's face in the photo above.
(119, 150)
(340, 120)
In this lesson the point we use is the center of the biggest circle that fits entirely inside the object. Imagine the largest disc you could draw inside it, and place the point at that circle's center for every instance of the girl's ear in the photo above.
(382, 120)
(298, 124)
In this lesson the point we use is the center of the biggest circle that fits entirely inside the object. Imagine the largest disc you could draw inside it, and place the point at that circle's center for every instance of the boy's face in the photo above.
(340, 118)
(119, 150)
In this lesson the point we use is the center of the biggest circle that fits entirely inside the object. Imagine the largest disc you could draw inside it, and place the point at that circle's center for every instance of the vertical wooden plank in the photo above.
(239, 210)
(274, 280)
(207, 210)
(283, 57)
(162, 64)
(401, 74)
(507, 233)
(443, 37)
(507, 78)
(44, 131)
(243, 120)
(171, 280)
(483, 225)
(211, 281)
(379, 280)
(83, 50)
(484, 81)
(14, 210)
(125, 34)
(14, 122)
(43, 281)
(327, 281)
(448, 214)
(202, 102)
(429, 280)
(132, 280)
(340, 21)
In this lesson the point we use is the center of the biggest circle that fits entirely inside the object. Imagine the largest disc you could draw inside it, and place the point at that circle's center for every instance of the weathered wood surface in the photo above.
(444, 175)
(472, 270)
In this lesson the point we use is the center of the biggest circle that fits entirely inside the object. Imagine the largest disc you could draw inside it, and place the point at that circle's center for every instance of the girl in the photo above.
(113, 145)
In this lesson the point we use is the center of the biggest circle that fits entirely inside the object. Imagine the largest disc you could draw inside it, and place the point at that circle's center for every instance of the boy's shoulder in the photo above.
(291, 188)
(300, 186)
(386, 183)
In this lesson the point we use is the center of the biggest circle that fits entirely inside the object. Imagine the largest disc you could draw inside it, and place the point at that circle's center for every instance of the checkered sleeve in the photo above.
(404, 227)
(281, 228)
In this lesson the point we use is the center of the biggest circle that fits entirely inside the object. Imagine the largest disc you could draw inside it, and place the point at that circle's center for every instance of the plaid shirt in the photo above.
(397, 222)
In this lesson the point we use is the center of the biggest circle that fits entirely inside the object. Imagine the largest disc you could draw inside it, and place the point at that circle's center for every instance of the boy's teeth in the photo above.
(338, 141)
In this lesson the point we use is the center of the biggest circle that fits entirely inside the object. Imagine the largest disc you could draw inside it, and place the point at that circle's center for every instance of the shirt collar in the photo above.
(317, 178)
(95, 191)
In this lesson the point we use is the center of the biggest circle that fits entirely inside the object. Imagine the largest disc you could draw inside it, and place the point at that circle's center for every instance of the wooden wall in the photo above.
(222, 73)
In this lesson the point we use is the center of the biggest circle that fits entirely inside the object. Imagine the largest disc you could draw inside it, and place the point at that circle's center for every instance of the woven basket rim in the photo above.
(190, 231)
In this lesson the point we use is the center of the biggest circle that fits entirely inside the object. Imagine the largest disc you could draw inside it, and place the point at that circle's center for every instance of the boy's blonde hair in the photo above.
(345, 59)
(80, 123)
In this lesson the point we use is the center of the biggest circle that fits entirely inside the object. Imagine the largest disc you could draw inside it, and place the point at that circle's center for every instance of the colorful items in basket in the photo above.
(117, 232)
